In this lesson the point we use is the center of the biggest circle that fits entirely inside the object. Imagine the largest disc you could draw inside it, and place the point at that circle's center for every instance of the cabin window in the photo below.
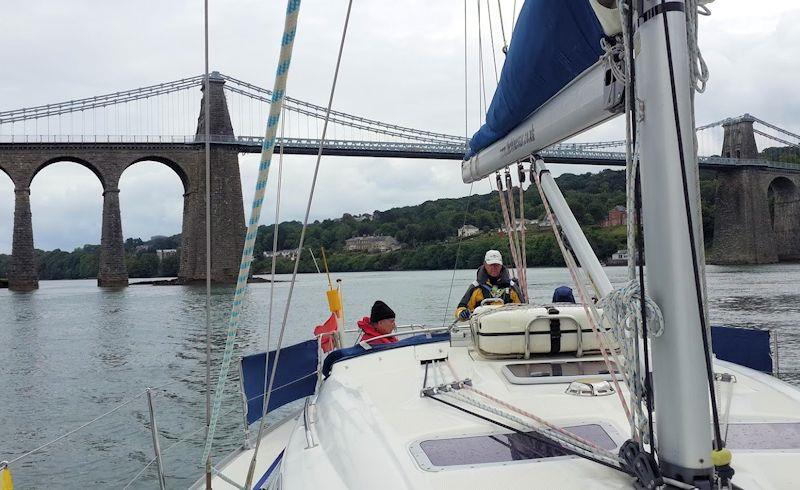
(439, 454)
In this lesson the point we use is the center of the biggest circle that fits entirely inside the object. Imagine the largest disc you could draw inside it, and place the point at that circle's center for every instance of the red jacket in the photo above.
(370, 333)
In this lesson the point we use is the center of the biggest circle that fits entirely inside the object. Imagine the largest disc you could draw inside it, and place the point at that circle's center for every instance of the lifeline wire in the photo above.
(267, 150)
(251, 470)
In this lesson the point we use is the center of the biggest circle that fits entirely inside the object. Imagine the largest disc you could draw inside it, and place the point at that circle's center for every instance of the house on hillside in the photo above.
(164, 252)
(519, 226)
(287, 253)
(371, 244)
(616, 217)
(467, 231)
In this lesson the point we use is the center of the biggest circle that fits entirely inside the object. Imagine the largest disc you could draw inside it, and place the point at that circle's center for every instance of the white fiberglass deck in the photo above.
(371, 428)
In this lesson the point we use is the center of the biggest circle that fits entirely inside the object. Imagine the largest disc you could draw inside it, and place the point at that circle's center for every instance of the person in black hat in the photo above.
(379, 322)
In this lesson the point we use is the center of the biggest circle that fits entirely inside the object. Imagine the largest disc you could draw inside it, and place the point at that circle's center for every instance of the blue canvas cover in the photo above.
(553, 43)
(743, 346)
(358, 351)
(563, 294)
(296, 377)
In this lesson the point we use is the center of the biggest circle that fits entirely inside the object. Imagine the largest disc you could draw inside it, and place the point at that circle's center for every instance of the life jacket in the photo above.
(500, 287)
(370, 332)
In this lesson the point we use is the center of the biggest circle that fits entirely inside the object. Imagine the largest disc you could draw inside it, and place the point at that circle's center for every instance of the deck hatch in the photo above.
(438, 454)
(555, 372)
(765, 436)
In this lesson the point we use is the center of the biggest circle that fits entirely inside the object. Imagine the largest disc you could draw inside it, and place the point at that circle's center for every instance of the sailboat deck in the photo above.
(369, 426)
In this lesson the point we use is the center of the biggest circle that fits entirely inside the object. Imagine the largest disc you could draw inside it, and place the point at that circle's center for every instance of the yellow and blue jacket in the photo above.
(485, 286)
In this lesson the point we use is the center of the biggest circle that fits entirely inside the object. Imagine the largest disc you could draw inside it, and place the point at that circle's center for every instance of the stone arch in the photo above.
(176, 167)
(66, 207)
(67, 158)
(7, 218)
(783, 201)
(183, 175)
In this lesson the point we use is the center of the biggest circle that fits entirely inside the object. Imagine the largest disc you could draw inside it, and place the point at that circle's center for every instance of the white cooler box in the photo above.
(522, 330)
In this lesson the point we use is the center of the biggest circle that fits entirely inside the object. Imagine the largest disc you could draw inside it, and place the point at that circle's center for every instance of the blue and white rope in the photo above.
(267, 151)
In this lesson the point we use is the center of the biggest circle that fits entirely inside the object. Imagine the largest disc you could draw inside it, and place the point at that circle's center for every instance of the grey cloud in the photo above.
(403, 63)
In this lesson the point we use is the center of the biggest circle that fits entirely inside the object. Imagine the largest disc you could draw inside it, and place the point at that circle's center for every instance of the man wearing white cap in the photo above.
(493, 281)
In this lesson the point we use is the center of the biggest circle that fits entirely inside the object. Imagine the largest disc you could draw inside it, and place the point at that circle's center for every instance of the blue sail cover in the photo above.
(296, 377)
(744, 346)
(554, 41)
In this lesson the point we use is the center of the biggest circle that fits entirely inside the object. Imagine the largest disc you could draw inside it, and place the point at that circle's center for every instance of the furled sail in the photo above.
(554, 53)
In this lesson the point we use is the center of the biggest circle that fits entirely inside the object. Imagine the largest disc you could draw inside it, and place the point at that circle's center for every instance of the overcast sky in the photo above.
(403, 63)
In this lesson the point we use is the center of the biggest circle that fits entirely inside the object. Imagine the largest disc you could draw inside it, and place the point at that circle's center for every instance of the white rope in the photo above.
(588, 306)
(267, 150)
(507, 221)
(568, 442)
(249, 480)
(698, 68)
(515, 228)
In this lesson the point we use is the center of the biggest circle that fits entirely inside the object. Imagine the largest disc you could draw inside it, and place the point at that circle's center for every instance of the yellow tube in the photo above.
(334, 301)
(6, 482)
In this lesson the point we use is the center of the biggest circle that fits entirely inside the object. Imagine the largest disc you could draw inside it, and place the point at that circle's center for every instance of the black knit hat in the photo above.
(380, 311)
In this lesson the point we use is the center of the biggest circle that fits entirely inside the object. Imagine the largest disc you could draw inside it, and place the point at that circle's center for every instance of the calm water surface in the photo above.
(71, 351)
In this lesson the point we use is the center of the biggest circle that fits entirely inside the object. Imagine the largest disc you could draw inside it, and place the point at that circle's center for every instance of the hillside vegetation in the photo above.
(426, 231)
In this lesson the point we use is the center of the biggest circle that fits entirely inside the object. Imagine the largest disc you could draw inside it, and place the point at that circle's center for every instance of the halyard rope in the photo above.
(251, 470)
(267, 150)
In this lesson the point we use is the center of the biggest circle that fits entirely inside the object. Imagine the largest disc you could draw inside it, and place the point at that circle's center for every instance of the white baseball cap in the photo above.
(493, 257)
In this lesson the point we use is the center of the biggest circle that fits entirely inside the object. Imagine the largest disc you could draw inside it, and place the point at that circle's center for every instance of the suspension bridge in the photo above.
(108, 133)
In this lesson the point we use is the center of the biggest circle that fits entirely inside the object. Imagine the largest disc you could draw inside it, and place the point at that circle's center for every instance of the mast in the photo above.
(672, 237)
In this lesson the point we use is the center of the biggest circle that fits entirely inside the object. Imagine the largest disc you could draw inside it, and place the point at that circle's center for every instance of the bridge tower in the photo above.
(227, 214)
(757, 216)
(739, 140)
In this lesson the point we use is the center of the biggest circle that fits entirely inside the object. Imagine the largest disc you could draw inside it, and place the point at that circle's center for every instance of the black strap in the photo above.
(660, 8)
(555, 335)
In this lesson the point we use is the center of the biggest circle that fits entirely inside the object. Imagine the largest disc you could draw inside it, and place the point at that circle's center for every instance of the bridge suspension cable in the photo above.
(98, 101)
(410, 134)
(775, 138)
(338, 114)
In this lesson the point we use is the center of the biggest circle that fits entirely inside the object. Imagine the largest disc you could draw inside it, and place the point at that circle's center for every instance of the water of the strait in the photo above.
(72, 351)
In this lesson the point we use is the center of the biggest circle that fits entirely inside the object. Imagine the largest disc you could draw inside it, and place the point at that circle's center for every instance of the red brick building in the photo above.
(616, 217)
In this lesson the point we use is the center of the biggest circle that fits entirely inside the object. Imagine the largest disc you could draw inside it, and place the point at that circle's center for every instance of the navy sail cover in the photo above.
(296, 377)
(553, 43)
(744, 346)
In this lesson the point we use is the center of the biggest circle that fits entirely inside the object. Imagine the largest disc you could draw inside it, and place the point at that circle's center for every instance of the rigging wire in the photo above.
(491, 37)
(502, 26)
(207, 129)
(274, 255)
(466, 85)
(542, 438)
(267, 151)
(458, 253)
(481, 77)
(249, 480)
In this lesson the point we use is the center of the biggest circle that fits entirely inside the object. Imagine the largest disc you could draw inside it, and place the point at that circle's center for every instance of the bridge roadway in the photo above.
(565, 153)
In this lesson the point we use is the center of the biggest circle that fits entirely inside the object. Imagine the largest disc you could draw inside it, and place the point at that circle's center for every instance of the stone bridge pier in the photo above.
(108, 161)
(757, 217)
